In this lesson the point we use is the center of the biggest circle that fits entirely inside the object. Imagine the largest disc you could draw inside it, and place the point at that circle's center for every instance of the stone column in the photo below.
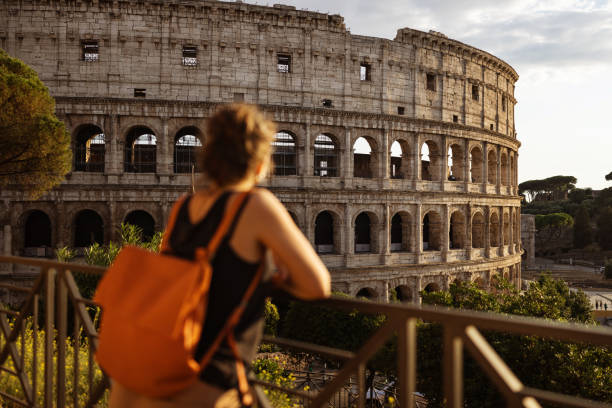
(443, 162)
(308, 225)
(511, 230)
(501, 231)
(165, 151)
(418, 233)
(349, 237)
(485, 165)
(468, 230)
(385, 156)
(487, 234)
(467, 176)
(7, 248)
(444, 242)
(498, 178)
(417, 159)
(416, 298)
(60, 227)
(384, 296)
(348, 155)
(114, 151)
(307, 160)
(386, 235)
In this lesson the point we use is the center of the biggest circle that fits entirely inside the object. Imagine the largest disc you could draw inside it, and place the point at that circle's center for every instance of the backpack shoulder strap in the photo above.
(165, 243)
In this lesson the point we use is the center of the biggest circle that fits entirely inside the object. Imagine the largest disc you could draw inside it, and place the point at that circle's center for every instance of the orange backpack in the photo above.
(154, 307)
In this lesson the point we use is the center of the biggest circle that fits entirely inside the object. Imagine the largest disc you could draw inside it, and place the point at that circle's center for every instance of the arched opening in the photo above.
(89, 149)
(325, 157)
(430, 158)
(140, 150)
(505, 180)
(403, 293)
(88, 229)
(431, 231)
(144, 221)
(37, 233)
(363, 226)
(367, 293)
(362, 158)
(186, 145)
(506, 229)
(399, 164)
(457, 231)
(455, 163)
(492, 167)
(400, 232)
(476, 165)
(324, 233)
(478, 230)
(432, 287)
(494, 235)
(284, 157)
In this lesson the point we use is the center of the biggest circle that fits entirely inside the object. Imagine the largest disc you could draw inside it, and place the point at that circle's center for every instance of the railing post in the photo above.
(62, 327)
(361, 386)
(453, 366)
(406, 347)
(49, 329)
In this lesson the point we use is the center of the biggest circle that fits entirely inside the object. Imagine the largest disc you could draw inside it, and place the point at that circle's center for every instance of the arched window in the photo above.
(455, 163)
(430, 161)
(89, 149)
(457, 231)
(144, 221)
(140, 150)
(284, 154)
(324, 233)
(476, 165)
(363, 241)
(88, 229)
(432, 287)
(186, 145)
(325, 157)
(367, 293)
(403, 293)
(396, 233)
(431, 231)
(478, 231)
(37, 231)
(494, 231)
(504, 170)
(396, 170)
(492, 167)
(362, 158)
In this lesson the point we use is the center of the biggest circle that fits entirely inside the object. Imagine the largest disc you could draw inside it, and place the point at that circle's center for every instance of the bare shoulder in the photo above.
(263, 199)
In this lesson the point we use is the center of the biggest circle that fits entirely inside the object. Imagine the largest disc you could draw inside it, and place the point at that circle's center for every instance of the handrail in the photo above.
(57, 288)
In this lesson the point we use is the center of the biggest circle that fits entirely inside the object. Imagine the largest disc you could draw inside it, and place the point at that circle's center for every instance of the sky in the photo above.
(562, 51)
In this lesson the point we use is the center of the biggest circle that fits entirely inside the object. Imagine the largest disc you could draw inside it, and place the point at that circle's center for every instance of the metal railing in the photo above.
(56, 292)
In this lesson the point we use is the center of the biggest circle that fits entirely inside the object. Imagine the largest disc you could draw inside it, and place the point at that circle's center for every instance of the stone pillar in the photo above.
(485, 165)
(487, 234)
(349, 236)
(443, 162)
(417, 159)
(114, 150)
(307, 160)
(468, 230)
(385, 156)
(511, 230)
(386, 235)
(384, 296)
(60, 227)
(165, 150)
(418, 233)
(348, 154)
(467, 176)
(416, 298)
(308, 224)
(444, 242)
(498, 178)
(7, 238)
(501, 231)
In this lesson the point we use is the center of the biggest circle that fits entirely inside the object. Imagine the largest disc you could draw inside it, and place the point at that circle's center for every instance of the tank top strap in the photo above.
(232, 227)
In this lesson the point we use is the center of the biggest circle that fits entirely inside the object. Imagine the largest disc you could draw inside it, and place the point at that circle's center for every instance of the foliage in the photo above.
(583, 232)
(11, 385)
(273, 371)
(35, 150)
(551, 188)
(271, 318)
(553, 225)
(604, 228)
(64, 254)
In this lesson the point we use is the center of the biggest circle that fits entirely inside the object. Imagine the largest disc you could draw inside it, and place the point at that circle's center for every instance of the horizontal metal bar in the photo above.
(298, 393)
(45, 263)
(562, 399)
(315, 348)
(14, 399)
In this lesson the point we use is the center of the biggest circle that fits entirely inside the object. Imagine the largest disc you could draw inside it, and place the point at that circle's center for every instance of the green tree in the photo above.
(35, 150)
(583, 231)
(551, 226)
(604, 228)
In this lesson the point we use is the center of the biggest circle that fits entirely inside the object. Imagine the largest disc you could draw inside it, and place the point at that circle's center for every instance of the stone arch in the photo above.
(478, 230)
(365, 161)
(492, 166)
(367, 292)
(494, 230)
(431, 287)
(400, 160)
(456, 164)
(506, 226)
(140, 150)
(430, 160)
(37, 231)
(457, 231)
(476, 163)
(432, 231)
(187, 143)
(403, 293)
(143, 220)
(505, 169)
(89, 148)
(327, 232)
(364, 226)
(88, 228)
(401, 228)
(326, 155)
(284, 155)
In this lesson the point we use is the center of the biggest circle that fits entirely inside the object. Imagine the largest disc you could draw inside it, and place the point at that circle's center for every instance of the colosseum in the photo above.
(396, 158)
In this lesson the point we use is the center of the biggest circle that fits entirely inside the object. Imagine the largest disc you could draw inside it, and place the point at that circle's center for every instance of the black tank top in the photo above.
(230, 279)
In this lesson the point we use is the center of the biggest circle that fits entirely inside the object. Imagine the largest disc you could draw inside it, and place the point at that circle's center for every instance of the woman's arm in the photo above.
(307, 276)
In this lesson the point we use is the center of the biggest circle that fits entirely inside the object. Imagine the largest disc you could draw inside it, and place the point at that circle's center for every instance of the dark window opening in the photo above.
(403, 293)
(362, 233)
(239, 97)
(475, 93)
(284, 156)
(325, 157)
(324, 233)
(144, 221)
(367, 293)
(283, 63)
(90, 51)
(492, 127)
(88, 229)
(365, 72)
(140, 151)
(89, 149)
(396, 233)
(186, 148)
(401, 110)
(327, 103)
(503, 104)
(431, 82)
(140, 93)
(190, 55)
(37, 233)
(455, 119)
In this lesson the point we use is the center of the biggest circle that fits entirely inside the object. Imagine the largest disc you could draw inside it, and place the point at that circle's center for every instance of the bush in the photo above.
(273, 371)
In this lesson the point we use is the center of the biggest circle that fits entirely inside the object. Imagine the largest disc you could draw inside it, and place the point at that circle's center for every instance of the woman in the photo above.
(236, 156)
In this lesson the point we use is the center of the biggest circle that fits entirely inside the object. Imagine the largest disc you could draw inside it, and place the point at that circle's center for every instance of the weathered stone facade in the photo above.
(134, 81)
